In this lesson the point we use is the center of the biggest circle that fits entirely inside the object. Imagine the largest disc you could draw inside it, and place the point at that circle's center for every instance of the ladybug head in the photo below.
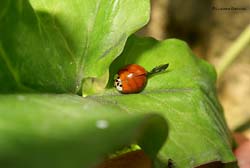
(118, 83)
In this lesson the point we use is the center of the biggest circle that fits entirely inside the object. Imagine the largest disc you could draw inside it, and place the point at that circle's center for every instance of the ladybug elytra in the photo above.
(133, 78)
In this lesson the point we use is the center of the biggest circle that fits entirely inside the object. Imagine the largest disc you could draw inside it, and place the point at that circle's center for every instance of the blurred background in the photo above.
(210, 28)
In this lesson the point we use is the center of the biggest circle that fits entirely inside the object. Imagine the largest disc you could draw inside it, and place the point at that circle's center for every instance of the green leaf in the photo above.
(52, 45)
(38, 131)
(57, 46)
(184, 94)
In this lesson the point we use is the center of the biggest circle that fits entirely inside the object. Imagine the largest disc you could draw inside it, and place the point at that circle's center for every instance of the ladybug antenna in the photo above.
(158, 69)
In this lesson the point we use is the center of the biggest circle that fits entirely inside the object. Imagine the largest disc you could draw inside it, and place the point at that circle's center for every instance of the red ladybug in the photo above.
(133, 78)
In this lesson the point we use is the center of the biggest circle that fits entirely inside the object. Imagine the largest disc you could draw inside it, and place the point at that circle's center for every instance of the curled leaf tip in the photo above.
(158, 69)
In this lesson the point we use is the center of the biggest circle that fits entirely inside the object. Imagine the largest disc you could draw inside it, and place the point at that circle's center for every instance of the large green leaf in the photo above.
(51, 45)
(64, 131)
(184, 94)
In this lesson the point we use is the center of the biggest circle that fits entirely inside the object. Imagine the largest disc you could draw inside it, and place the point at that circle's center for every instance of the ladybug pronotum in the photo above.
(133, 78)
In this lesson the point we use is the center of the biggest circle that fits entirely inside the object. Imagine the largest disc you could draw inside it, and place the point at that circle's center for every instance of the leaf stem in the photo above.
(231, 54)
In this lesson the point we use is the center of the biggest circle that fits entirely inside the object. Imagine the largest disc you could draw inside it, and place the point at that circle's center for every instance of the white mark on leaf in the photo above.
(21, 97)
(102, 124)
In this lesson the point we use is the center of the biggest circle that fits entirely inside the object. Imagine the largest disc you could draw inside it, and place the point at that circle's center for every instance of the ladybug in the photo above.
(133, 78)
